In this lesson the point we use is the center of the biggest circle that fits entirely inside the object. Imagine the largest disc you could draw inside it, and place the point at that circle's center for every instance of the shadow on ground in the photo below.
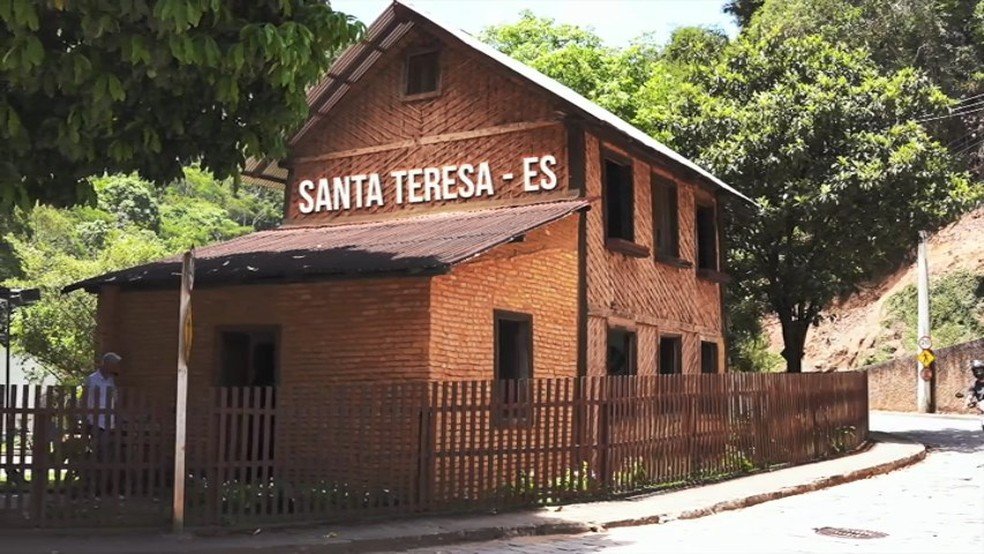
(949, 439)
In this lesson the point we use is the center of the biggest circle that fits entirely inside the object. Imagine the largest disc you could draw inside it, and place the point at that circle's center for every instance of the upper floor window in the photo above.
(707, 249)
(423, 73)
(667, 221)
(619, 216)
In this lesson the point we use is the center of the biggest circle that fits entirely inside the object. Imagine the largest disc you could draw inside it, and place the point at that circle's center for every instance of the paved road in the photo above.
(934, 506)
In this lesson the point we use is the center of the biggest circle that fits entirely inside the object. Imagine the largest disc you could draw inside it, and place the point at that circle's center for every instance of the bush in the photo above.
(956, 310)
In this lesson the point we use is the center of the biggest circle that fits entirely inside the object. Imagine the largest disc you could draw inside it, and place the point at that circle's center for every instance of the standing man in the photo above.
(98, 394)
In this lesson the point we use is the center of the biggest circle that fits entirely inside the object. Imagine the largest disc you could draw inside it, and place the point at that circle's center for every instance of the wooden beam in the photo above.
(432, 139)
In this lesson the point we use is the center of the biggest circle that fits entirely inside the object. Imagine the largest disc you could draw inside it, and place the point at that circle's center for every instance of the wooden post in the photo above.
(181, 406)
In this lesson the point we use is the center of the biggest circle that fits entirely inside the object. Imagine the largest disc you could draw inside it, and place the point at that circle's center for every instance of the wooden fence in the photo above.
(261, 455)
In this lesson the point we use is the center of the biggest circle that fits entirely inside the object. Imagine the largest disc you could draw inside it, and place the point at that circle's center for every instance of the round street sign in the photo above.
(925, 342)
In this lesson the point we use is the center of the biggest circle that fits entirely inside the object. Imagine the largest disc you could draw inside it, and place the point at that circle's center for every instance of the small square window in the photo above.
(708, 357)
(423, 73)
(670, 355)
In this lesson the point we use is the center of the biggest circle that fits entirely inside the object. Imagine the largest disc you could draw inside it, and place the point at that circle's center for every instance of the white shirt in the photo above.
(104, 385)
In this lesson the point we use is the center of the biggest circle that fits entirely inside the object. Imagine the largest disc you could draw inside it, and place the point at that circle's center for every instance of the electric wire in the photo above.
(952, 114)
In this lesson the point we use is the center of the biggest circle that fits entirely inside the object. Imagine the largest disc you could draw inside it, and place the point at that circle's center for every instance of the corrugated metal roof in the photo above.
(387, 25)
(425, 244)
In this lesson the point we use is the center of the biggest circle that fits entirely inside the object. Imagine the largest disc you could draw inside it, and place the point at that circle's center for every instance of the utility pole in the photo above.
(181, 401)
(923, 370)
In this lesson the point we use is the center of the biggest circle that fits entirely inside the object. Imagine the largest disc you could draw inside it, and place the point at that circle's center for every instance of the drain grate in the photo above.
(843, 533)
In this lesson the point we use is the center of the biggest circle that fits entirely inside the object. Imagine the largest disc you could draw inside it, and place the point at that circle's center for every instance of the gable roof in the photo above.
(426, 244)
(387, 29)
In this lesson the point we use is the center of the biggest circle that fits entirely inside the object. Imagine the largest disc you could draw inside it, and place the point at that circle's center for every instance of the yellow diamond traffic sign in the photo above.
(926, 358)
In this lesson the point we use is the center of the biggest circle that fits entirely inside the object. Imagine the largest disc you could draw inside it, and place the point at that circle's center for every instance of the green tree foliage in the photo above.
(942, 38)
(93, 87)
(742, 10)
(132, 222)
(577, 58)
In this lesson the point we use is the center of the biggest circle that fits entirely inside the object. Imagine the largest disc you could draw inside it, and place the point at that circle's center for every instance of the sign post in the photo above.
(924, 374)
(181, 405)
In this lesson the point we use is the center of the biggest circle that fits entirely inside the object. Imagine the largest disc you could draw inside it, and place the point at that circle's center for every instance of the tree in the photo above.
(93, 87)
(942, 38)
(742, 10)
(827, 144)
(132, 222)
(577, 58)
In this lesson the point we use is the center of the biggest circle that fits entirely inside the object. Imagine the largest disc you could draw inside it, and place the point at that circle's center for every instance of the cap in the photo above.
(112, 358)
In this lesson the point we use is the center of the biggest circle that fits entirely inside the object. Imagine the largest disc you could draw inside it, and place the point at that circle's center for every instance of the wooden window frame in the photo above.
(678, 358)
(406, 74)
(507, 412)
(707, 272)
(620, 244)
(717, 356)
(634, 348)
(660, 186)
(253, 329)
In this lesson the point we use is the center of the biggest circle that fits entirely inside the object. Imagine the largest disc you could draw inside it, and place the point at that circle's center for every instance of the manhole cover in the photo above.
(843, 533)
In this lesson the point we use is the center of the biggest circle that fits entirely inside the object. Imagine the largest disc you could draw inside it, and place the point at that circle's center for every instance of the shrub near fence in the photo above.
(260, 455)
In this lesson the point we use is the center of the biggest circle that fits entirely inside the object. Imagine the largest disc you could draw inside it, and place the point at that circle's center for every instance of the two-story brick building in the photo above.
(450, 214)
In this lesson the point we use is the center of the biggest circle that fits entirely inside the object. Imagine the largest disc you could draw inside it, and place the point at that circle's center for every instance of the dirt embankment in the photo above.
(856, 330)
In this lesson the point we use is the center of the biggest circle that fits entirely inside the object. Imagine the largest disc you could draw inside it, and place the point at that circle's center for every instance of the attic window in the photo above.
(423, 73)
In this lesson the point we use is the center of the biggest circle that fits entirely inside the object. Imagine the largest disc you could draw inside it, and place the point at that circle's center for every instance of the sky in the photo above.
(617, 22)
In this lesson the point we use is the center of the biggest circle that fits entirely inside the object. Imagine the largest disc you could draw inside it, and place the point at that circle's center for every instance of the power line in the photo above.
(957, 110)
(969, 147)
(952, 114)
(969, 98)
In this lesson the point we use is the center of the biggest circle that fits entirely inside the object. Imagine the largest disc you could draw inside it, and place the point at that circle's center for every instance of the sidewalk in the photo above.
(887, 453)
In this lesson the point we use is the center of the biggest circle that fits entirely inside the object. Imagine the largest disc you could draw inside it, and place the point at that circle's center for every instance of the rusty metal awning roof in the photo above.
(422, 245)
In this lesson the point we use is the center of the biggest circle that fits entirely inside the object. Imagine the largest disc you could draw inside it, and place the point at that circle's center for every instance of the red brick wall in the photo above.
(364, 330)
(651, 297)
(374, 130)
(536, 277)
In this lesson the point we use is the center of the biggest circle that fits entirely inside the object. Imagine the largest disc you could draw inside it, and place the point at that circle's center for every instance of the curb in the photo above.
(956, 416)
(449, 538)
(572, 528)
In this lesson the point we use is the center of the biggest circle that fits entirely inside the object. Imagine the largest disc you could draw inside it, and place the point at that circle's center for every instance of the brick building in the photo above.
(450, 214)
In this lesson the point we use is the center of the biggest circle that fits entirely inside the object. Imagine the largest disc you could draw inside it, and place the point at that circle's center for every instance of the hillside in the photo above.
(867, 327)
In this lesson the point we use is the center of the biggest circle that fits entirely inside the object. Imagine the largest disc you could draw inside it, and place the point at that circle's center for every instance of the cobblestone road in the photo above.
(934, 506)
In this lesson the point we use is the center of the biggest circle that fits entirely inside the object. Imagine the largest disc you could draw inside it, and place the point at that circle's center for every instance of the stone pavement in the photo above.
(886, 454)
(933, 506)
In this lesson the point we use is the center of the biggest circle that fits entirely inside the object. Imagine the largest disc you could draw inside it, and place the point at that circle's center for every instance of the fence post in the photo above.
(426, 450)
(39, 452)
